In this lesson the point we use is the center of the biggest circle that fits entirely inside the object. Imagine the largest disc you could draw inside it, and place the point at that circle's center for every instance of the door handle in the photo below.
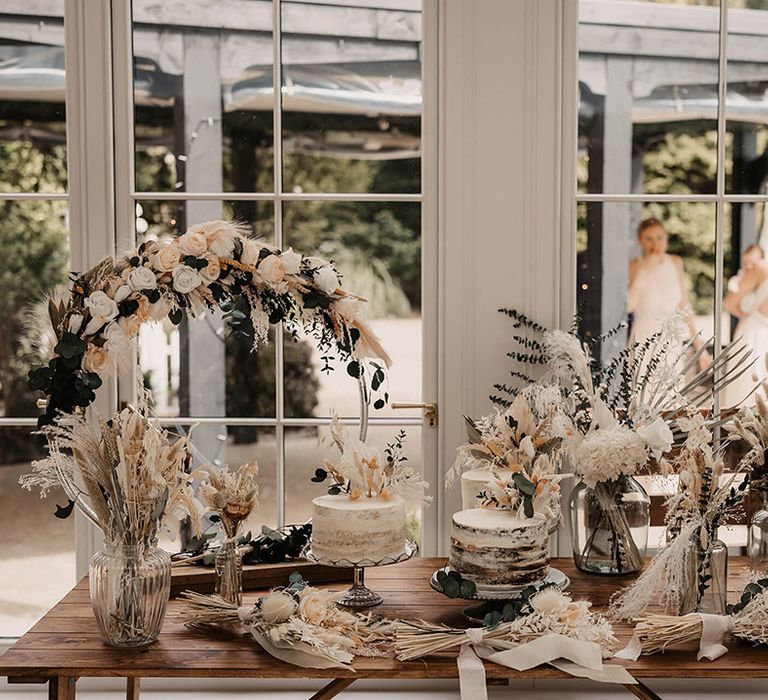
(429, 408)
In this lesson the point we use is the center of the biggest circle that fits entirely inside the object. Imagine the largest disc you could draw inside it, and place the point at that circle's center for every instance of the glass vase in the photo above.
(706, 578)
(757, 537)
(228, 566)
(609, 526)
(130, 586)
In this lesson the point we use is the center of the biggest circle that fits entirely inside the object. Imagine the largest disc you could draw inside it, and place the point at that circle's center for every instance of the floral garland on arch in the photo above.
(212, 265)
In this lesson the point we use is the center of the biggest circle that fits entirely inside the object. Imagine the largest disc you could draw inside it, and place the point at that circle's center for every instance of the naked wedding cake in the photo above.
(363, 528)
(492, 546)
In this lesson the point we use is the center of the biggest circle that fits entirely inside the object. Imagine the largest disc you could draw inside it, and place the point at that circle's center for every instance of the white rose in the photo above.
(271, 269)
(220, 236)
(277, 607)
(291, 262)
(141, 278)
(96, 360)
(116, 341)
(251, 251)
(75, 321)
(658, 437)
(348, 308)
(313, 607)
(101, 307)
(326, 279)
(192, 243)
(185, 279)
(166, 258)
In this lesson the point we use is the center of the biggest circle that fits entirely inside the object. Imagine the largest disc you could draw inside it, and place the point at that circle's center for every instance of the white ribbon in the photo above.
(245, 612)
(711, 647)
(713, 629)
(578, 658)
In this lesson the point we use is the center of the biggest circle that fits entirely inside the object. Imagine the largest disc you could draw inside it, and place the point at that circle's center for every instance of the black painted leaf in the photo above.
(175, 316)
(378, 404)
(64, 512)
(467, 588)
(451, 588)
(441, 576)
(354, 369)
(70, 345)
(492, 619)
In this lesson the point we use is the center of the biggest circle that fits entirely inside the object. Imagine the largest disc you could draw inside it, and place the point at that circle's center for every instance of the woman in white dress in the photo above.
(747, 299)
(657, 287)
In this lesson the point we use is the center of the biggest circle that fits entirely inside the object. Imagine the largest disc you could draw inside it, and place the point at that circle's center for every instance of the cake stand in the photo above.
(359, 595)
(493, 595)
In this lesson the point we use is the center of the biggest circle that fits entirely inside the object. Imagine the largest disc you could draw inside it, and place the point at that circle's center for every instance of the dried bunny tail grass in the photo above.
(666, 576)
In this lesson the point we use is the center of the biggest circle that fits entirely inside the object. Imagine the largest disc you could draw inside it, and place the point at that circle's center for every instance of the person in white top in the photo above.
(657, 287)
(747, 300)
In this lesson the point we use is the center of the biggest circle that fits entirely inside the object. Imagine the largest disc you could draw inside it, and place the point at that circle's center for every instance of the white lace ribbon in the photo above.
(578, 658)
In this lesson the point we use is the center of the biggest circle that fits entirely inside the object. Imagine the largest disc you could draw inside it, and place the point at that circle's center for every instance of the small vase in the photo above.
(706, 565)
(609, 526)
(228, 566)
(130, 586)
(757, 537)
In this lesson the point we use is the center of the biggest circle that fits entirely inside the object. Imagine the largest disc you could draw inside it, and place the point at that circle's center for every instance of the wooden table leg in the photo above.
(62, 688)
(333, 689)
(642, 691)
(132, 688)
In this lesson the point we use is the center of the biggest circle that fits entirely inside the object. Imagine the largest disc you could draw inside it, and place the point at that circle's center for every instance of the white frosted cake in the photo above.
(364, 528)
(474, 481)
(493, 546)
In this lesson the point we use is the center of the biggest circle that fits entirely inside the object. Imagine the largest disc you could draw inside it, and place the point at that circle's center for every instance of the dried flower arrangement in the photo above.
(211, 265)
(362, 471)
(705, 496)
(519, 447)
(298, 624)
(132, 472)
(748, 620)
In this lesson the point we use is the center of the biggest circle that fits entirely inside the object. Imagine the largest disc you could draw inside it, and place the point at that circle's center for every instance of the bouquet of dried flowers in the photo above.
(298, 624)
(363, 471)
(231, 494)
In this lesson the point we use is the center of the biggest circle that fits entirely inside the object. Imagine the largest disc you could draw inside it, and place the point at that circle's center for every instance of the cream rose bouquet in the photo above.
(298, 624)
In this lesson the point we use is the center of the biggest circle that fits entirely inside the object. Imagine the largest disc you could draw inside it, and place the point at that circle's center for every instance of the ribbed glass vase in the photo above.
(130, 586)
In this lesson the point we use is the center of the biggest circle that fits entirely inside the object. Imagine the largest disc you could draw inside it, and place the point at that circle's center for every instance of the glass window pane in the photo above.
(33, 236)
(351, 97)
(201, 367)
(32, 125)
(203, 97)
(648, 97)
(746, 104)
(304, 453)
(377, 250)
(628, 267)
(37, 543)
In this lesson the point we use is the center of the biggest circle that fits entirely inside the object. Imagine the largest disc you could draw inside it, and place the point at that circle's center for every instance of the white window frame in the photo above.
(102, 219)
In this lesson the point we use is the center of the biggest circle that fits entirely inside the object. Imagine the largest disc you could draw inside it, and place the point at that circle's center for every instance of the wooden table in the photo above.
(65, 645)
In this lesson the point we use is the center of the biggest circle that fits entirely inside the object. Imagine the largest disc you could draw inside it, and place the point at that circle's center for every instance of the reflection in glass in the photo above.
(203, 98)
(307, 448)
(377, 249)
(648, 97)
(36, 544)
(351, 97)
(626, 262)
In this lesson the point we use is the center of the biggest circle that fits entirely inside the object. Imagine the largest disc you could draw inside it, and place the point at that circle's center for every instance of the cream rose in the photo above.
(291, 262)
(96, 360)
(141, 278)
(101, 306)
(116, 342)
(271, 269)
(210, 273)
(192, 243)
(251, 251)
(313, 607)
(326, 279)
(220, 237)
(166, 258)
(277, 607)
(185, 279)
